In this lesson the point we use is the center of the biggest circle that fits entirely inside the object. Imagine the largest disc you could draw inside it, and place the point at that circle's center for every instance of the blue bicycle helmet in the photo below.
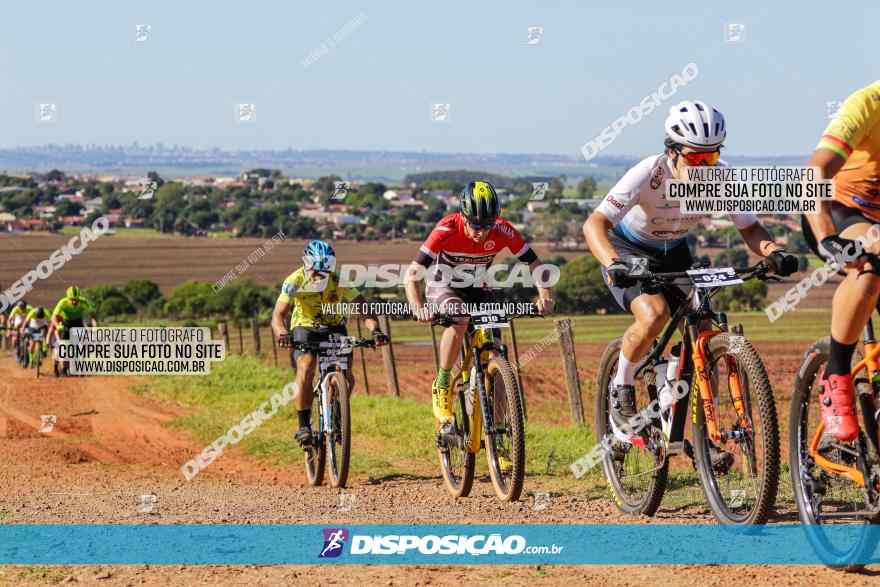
(319, 256)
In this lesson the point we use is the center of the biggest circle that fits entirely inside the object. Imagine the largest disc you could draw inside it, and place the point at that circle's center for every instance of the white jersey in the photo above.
(638, 208)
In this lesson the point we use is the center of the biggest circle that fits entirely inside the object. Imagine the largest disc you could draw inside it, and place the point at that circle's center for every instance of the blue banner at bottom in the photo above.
(437, 544)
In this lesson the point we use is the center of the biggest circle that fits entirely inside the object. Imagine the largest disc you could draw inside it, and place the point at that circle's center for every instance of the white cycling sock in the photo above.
(626, 371)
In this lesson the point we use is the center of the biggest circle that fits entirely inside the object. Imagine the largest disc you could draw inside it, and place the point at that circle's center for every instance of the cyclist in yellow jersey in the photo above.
(37, 320)
(309, 294)
(4, 314)
(849, 153)
(71, 311)
(15, 320)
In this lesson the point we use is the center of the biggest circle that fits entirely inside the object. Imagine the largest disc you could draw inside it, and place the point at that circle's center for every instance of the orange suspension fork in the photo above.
(699, 358)
(733, 383)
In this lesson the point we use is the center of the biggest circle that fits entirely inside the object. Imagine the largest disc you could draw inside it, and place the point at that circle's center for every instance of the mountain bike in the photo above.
(720, 375)
(40, 349)
(21, 349)
(331, 410)
(487, 408)
(836, 482)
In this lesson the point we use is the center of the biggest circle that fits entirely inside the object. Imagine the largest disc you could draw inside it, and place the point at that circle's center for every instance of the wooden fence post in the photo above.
(240, 338)
(255, 331)
(572, 381)
(388, 358)
(274, 345)
(363, 358)
(519, 378)
(223, 330)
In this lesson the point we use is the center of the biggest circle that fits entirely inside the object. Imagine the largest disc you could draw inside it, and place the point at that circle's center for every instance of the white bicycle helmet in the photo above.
(695, 124)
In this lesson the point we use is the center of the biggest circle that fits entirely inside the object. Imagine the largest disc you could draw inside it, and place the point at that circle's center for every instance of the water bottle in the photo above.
(666, 395)
(660, 373)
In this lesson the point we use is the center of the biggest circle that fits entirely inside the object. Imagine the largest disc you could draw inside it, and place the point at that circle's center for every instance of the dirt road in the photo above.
(109, 446)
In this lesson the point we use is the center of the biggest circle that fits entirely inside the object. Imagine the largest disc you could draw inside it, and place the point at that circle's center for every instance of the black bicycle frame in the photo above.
(692, 318)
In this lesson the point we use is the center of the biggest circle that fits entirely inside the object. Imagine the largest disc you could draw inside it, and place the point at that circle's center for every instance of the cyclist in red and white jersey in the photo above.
(466, 240)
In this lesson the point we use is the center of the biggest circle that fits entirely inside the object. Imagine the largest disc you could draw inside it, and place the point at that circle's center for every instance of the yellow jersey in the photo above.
(312, 303)
(854, 134)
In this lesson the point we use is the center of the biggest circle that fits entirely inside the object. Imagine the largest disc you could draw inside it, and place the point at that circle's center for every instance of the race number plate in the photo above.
(335, 352)
(489, 320)
(714, 277)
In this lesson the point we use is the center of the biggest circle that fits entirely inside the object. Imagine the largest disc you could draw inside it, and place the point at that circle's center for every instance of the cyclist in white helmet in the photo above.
(635, 220)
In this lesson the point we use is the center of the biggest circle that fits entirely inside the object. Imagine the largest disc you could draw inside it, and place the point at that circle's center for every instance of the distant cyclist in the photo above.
(36, 321)
(308, 291)
(14, 322)
(636, 221)
(71, 311)
(471, 237)
(849, 153)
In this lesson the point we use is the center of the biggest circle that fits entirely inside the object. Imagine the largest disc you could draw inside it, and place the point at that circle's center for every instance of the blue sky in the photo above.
(373, 90)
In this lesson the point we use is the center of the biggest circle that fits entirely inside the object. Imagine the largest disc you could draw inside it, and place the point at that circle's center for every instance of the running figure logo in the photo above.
(334, 541)
(539, 190)
(340, 189)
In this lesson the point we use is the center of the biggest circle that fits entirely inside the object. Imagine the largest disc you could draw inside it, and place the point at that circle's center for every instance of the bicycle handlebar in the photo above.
(316, 345)
(756, 271)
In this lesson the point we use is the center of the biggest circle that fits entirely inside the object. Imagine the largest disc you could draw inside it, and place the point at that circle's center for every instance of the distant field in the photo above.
(171, 260)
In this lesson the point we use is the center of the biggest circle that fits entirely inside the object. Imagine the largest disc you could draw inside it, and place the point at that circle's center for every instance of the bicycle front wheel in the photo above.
(38, 359)
(506, 437)
(316, 454)
(825, 500)
(456, 462)
(739, 473)
(339, 435)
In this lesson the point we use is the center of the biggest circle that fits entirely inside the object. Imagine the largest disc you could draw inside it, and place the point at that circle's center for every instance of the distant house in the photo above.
(45, 212)
(134, 222)
(535, 205)
(72, 220)
(6, 219)
(29, 224)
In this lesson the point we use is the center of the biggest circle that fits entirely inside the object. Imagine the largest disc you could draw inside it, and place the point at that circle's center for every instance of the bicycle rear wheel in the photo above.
(506, 439)
(316, 454)
(456, 462)
(339, 435)
(740, 485)
(824, 499)
(636, 476)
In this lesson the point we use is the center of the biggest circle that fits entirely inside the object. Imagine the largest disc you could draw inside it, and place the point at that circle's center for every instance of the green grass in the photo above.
(391, 436)
(806, 324)
(126, 232)
(5, 516)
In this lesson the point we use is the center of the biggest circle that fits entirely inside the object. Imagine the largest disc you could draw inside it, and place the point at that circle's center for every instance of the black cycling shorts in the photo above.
(317, 334)
(842, 216)
(68, 324)
(677, 258)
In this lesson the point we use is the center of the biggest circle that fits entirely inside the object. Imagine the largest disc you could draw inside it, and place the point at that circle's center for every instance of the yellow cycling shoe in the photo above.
(442, 404)
(504, 465)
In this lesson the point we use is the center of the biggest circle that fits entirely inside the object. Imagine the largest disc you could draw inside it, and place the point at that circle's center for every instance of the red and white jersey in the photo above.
(448, 244)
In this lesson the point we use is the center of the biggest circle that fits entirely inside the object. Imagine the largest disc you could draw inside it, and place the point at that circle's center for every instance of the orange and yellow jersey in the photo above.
(854, 134)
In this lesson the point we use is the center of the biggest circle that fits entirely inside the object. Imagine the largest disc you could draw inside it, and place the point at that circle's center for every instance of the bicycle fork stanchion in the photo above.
(866, 400)
(485, 408)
